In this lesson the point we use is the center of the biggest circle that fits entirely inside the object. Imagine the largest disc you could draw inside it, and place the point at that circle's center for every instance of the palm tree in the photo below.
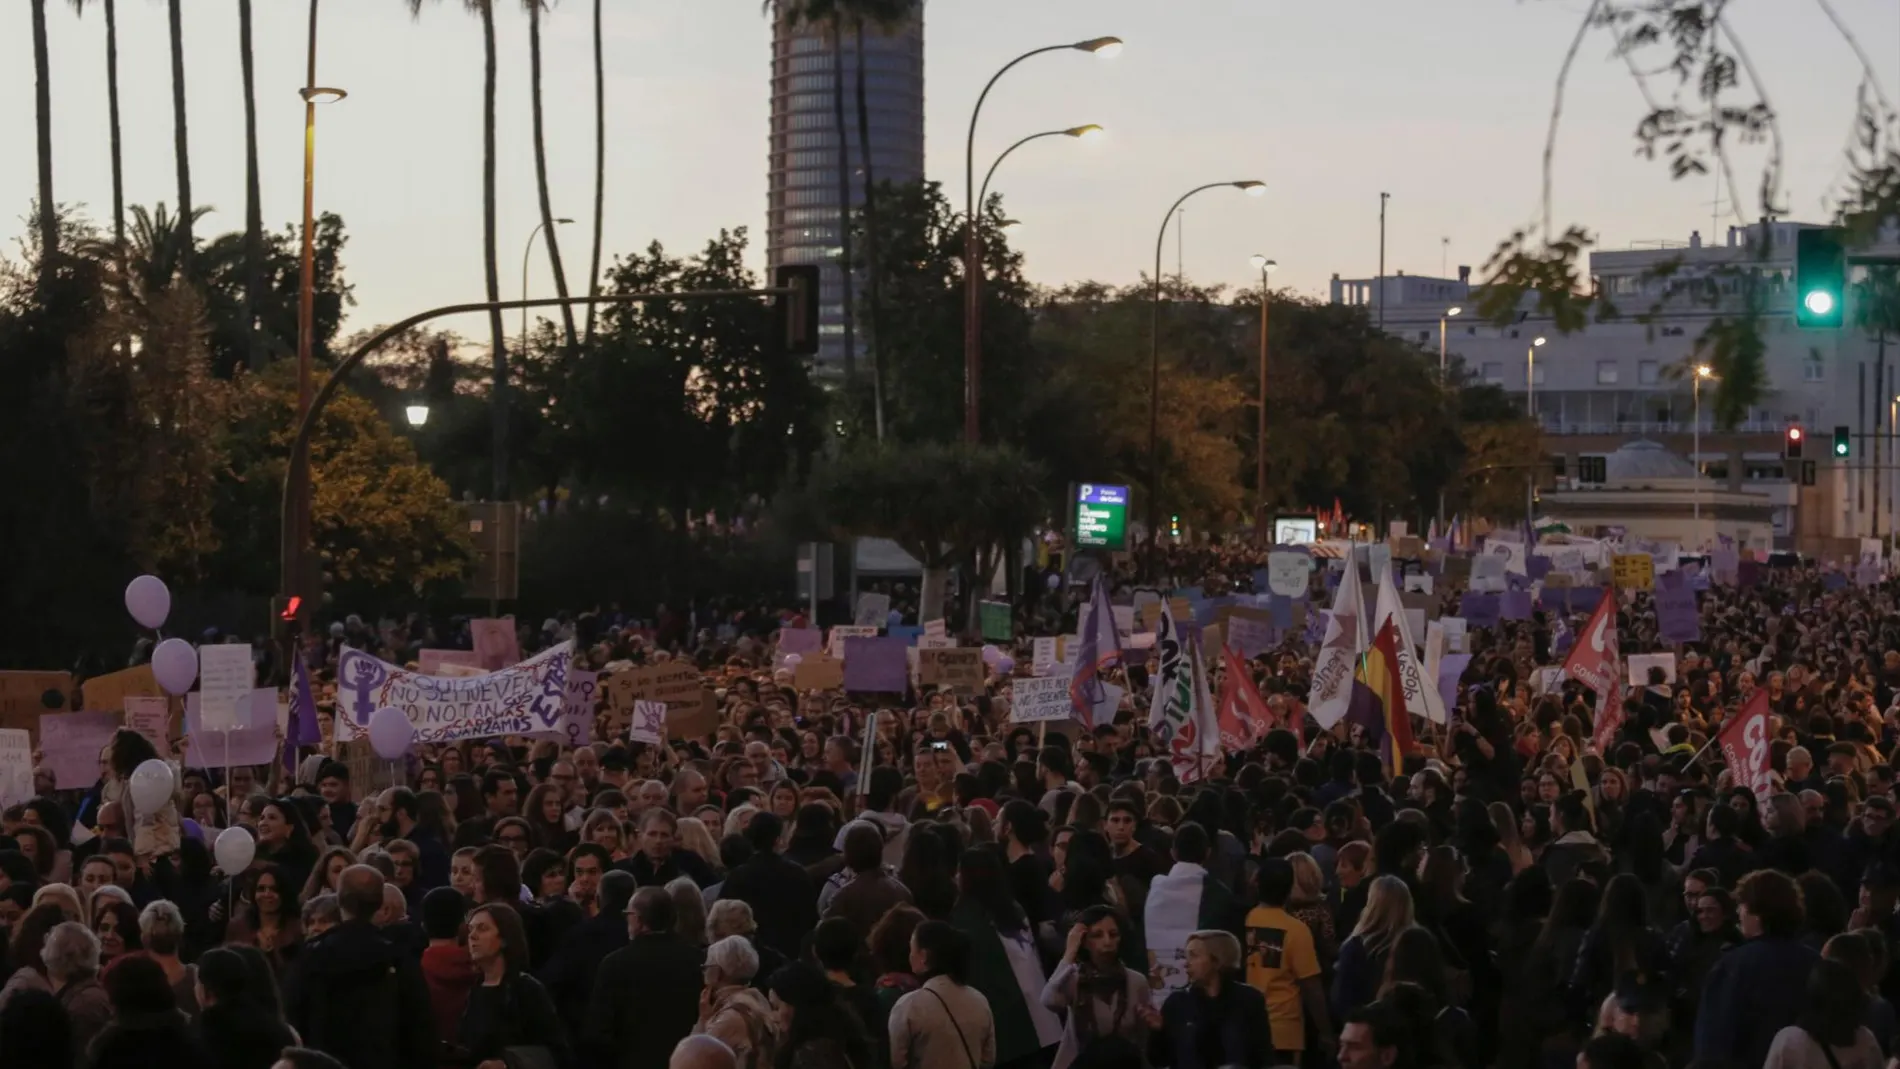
(112, 110)
(43, 115)
(181, 146)
(831, 15)
(253, 210)
(600, 171)
(498, 343)
(541, 168)
(886, 16)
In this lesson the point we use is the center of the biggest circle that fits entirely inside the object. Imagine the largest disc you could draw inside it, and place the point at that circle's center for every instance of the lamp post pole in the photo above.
(1444, 382)
(298, 517)
(527, 251)
(1530, 413)
(973, 239)
(1266, 267)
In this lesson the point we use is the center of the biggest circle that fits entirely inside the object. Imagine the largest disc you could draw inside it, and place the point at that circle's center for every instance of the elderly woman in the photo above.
(730, 1009)
(730, 917)
(71, 955)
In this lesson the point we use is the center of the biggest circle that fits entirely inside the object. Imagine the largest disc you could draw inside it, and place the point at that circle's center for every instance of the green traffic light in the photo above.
(1820, 278)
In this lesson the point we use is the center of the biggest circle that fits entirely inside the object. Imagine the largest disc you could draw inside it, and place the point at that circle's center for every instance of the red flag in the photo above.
(1244, 716)
(1594, 660)
(1609, 717)
(1744, 742)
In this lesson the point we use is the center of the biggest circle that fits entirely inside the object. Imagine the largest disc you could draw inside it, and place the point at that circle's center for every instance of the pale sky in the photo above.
(1442, 103)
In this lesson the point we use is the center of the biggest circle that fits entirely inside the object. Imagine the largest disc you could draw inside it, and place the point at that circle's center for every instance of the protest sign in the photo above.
(1408, 547)
(874, 610)
(649, 722)
(108, 692)
(1288, 572)
(1641, 663)
(496, 644)
(1456, 634)
(519, 700)
(846, 631)
(226, 677)
(961, 669)
(1033, 700)
(1379, 560)
(804, 639)
(1124, 618)
(151, 717)
(432, 662)
(934, 628)
(24, 696)
(577, 710)
(1481, 610)
(1043, 655)
(1248, 635)
(1425, 603)
(821, 672)
(995, 621)
(1418, 584)
(1633, 571)
(16, 767)
(1548, 680)
(252, 741)
(1676, 617)
(876, 665)
(1415, 622)
(1487, 573)
(1514, 605)
(70, 744)
(1451, 669)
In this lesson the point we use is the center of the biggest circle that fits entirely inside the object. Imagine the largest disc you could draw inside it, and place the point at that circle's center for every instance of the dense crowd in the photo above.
(974, 893)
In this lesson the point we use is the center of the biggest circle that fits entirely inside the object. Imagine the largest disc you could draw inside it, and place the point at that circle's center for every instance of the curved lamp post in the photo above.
(1252, 188)
(1105, 47)
(1087, 132)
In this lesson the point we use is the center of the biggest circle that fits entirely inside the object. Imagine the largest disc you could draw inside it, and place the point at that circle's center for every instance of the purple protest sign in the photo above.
(1537, 566)
(1585, 598)
(1676, 618)
(1450, 668)
(876, 665)
(800, 640)
(1514, 605)
(1480, 610)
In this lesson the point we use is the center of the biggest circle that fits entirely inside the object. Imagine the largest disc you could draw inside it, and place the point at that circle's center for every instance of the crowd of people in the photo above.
(973, 893)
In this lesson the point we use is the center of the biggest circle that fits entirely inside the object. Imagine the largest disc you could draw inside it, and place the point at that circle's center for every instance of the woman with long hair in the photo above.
(23, 951)
(1544, 981)
(268, 915)
(690, 834)
(283, 839)
(1003, 959)
(890, 955)
(816, 1029)
(152, 834)
(434, 816)
(1099, 996)
(326, 873)
(116, 924)
(508, 1008)
(604, 829)
(1829, 1032)
(240, 1026)
(547, 819)
(1362, 956)
(946, 1014)
(1621, 941)
(1307, 904)
(928, 871)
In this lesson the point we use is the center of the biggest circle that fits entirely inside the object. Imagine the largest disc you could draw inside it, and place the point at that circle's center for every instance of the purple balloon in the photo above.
(175, 666)
(148, 600)
(1004, 666)
(390, 733)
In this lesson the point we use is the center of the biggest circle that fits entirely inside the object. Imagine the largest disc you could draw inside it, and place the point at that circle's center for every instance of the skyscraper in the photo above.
(802, 217)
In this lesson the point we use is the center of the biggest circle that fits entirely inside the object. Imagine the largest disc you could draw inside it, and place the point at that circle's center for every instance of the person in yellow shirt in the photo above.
(1283, 966)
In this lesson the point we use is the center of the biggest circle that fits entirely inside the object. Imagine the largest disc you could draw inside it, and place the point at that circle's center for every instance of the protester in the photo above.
(646, 996)
(239, 1026)
(355, 996)
(508, 1009)
(148, 1031)
(945, 1023)
(1100, 998)
(1216, 1020)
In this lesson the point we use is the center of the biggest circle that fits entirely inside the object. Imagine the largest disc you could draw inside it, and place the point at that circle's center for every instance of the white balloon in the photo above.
(390, 733)
(150, 786)
(234, 850)
(149, 601)
(175, 665)
(793, 660)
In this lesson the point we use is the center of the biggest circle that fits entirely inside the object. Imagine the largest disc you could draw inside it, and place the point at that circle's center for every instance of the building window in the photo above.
(1557, 465)
(1812, 370)
(1494, 373)
(1606, 373)
(1648, 372)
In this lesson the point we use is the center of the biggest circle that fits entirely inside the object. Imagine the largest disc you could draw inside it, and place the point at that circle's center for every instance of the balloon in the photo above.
(149, 602)
(175, 664)
(235, 850)
(990, 654)
(793, 660)
(390, 733)
(150, 786)
(1004, 666)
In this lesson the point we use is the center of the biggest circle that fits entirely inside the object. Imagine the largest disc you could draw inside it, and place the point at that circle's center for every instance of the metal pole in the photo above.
(1695, 390)
(1380, 291)
(1443, 384)
(1530, 413)
(1154, 389)
(298, 516)
(526, 251)
(1260, 428)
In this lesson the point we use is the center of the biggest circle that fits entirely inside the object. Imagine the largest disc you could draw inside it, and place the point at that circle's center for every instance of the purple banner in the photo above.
(1538, 567)
(1480, 610)
(1676, 617)
(1514, 605)
(877, 665)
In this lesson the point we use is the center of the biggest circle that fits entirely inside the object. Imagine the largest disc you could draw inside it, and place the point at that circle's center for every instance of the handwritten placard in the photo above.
(874, 610)
(16, 766)
(108, 692)
(1633, 571)
(432, 662)
(649, 722)
(226, 676)
(70, 745)
(960, 669)
(1288, 572)
(1033, 700)
(150, 717)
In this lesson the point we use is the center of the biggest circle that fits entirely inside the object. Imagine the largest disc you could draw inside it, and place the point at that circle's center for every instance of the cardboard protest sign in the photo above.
(934, 628)
(252, 742)
(876, 665)
(226, 677)
(431, 662)
(1633, 571)
(961, 669)
(25, 696)
(1033, 700)
(1425, 603)
(519, 700)
(16, 767)
(70, 744)
(1408, 547)
(821, 672)
(649, 723)
(151, 717)
(108, 692)
(496, 644)
(874, 610)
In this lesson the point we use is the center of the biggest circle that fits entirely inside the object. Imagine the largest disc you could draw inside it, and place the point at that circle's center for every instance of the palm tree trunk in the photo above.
(844, 204)
(541, 171)
(112, 109)
(870, 241)
(181, 145)
(43, 115)
(600, 171)
(498, 342)
(253, 210)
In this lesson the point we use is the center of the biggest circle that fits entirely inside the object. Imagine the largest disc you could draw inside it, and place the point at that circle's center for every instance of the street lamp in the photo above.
(1449, 313)
(1530, 413)
(1105, 47)
(416, 414)
(1265, 267)
(312, 94)
(525, 253)
(1253, 188)
(1088, 132)
(1702, 371)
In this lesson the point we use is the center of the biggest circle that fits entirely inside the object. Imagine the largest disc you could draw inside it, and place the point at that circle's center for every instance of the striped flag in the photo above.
(1379, 676)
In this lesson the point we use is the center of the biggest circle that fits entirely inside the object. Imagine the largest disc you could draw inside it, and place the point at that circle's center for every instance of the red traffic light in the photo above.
(292, 606)
(1794, 434)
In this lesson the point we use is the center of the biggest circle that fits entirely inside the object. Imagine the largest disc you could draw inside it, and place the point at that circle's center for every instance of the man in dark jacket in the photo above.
(779, 891)
(870, 892)
(646, 995)
(660, 859)
(569, 974)
(1575, 850)
(1758, 988)
(356, 996)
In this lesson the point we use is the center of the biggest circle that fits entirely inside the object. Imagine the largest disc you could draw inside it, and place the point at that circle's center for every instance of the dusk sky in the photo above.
(1442, 103)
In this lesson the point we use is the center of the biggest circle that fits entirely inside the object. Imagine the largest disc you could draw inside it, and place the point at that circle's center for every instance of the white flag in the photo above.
(1420, 690)
(1345, 640)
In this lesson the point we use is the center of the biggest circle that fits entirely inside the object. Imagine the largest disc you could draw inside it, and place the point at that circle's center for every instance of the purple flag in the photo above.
(877, 665)
(303, 729)
(1676, 618)
(1450, 668)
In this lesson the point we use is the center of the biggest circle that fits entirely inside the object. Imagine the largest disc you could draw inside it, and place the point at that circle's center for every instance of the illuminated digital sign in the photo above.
(1101, 516)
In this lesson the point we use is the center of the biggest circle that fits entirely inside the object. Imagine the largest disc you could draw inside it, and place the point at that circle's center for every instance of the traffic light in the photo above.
(1174, 527)
(287, 615)
(1843, 441)
(797, 312)
(1820, 280)
(1791, 443)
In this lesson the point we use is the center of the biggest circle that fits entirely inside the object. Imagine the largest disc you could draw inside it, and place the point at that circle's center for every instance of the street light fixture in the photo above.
(1105, 47)
(321, 94)
(1253, 188)
(416, 414)
(527, 251)
(1265, 267)
(1088, 132)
